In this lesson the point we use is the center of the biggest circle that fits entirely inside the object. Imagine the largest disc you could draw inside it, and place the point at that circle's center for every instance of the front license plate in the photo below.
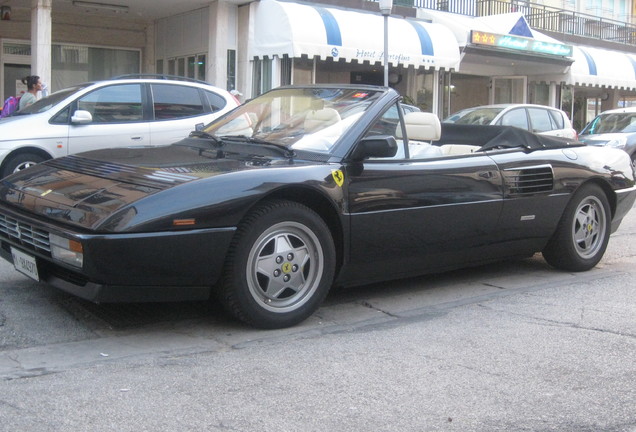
(25, 264)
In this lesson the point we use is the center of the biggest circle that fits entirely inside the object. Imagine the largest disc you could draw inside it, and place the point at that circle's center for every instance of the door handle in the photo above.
(486, 174)
(136, 138)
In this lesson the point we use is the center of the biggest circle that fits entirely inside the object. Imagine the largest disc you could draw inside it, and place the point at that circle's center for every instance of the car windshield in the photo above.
(48, 102)
(474, 116)
(611, 123)
(299, 119)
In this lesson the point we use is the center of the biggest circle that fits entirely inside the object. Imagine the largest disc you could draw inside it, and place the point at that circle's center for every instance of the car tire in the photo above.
(581, 237)
(19, 162)
(280, 266)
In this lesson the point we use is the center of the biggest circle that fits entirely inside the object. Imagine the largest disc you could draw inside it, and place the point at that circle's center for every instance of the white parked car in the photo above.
(120, 112)
(534, 118)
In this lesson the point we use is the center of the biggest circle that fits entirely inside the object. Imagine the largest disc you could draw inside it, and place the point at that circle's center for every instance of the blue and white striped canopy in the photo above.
(300, 29)
(603, 68)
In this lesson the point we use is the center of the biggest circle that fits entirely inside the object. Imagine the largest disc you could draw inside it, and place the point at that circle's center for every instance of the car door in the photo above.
(407, 215)
(178, 109)
(118, 119)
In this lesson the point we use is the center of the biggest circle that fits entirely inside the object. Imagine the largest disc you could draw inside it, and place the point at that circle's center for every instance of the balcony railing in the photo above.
(541, 17)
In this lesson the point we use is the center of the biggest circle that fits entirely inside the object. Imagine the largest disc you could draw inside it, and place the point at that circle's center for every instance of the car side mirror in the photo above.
(199, 127)
(379, 146)
(81, 117)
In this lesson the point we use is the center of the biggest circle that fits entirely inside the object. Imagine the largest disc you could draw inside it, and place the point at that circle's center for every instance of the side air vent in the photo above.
(529, 180)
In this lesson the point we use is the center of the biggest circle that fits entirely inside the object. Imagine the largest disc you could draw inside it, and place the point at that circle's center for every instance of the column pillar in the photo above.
(41, 39)
(552, 95)
(218, 43)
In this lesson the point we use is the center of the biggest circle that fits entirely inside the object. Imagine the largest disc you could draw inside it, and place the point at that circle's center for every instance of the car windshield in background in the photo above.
(310, 119)
(46, 103)
(611, 123)
(474, 116)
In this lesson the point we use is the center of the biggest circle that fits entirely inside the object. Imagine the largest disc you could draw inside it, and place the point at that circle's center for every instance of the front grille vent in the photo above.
(26, 234)
(529, 180)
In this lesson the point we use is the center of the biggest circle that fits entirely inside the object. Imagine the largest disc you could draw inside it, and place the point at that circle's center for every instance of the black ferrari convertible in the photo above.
(304, 188)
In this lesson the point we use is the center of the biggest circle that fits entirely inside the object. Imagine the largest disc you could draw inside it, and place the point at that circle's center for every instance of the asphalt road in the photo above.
(516, 346)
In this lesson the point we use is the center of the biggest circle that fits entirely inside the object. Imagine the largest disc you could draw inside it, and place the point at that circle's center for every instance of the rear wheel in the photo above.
(583, 232)
(280, 266)
(19, 162)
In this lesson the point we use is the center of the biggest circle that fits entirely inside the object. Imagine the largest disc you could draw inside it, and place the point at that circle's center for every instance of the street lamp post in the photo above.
(385, 8)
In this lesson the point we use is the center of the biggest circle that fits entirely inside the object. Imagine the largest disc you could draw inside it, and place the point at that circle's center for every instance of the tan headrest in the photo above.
(421, 126)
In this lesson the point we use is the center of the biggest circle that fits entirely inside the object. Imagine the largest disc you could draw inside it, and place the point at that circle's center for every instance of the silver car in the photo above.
(613, 128)
(112, 113)
(534, 118)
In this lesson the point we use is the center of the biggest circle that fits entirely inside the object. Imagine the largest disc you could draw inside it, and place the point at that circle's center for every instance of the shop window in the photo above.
(114, 104)
(267, 74)
(77, 63)
(18, 49)
(257, 77)
(171, 101)
(286, 70)
(201, 67)
(261, 76)
(231, 70)
(191, 67)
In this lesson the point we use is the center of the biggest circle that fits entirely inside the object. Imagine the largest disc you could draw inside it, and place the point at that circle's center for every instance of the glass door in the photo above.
(509, 90)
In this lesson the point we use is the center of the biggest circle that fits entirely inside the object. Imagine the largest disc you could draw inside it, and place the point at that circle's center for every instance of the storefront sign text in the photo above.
(519, 43)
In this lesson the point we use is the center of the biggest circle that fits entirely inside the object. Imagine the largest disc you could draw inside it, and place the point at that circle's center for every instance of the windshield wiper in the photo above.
(283, 149)
(206, 135)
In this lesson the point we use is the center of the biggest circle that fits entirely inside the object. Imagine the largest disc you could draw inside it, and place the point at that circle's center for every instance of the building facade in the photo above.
(443, 56)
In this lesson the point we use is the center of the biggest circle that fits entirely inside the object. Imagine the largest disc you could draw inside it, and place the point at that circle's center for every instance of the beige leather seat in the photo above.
(320, 119)
(421, 129)
(458, 149)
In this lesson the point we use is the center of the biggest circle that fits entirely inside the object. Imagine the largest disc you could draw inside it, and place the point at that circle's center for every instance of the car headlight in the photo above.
(66, 250)
(619, 142)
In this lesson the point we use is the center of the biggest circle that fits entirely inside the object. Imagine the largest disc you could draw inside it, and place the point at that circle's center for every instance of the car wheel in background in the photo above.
(583, 232)
(19, 162)
(280, 266)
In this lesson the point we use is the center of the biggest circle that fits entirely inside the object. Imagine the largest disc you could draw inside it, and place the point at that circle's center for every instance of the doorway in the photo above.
(509, 90)
(12, 83)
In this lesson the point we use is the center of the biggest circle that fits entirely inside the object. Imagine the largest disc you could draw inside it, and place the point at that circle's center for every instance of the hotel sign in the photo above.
(519, 43)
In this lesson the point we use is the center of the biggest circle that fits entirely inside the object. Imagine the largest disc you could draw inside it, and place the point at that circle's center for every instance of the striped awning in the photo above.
(602, 68)
(292, 29)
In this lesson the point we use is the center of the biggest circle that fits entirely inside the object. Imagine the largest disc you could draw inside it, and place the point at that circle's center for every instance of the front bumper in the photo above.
(162, 266)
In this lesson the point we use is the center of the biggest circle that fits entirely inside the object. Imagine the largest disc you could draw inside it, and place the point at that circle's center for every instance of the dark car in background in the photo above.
(304, 188)
(614, 128)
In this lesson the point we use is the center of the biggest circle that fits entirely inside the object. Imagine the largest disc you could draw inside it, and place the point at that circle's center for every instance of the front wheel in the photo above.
(19, 162)
(280, 266)
(583, 232)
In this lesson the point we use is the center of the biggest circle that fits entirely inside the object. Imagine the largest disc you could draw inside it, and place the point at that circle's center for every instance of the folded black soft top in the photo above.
(496, 137)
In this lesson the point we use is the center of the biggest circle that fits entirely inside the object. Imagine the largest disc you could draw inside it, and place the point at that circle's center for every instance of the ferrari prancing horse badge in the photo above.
(338, 177)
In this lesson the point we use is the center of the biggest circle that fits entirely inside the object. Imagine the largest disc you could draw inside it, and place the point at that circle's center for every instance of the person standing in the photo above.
(34, 85)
